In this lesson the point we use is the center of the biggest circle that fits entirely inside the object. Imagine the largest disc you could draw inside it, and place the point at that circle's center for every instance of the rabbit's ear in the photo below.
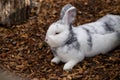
(68, 14)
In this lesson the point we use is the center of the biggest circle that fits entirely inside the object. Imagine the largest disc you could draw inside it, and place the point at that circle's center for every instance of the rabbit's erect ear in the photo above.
(68, 14)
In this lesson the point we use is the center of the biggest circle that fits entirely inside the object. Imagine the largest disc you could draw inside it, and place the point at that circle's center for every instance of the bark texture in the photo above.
(14, 11)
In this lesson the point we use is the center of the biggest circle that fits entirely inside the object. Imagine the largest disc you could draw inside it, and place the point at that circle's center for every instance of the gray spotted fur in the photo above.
(89, 37)
(72, 41)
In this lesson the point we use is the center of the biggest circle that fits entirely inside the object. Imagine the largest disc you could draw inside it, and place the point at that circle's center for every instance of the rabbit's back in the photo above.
(100, 36)
(107, 24)
(111, 22)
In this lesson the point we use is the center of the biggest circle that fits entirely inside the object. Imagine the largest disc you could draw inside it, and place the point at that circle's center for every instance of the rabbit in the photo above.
(71, 44)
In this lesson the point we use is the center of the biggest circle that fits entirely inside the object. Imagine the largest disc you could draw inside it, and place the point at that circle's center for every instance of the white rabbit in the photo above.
(72, 44)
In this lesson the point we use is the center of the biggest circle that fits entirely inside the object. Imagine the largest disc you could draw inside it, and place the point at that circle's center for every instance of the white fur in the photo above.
(57, 40)
(102, 41)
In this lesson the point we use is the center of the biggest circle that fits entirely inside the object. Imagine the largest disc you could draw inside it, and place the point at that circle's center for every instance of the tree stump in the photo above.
(14, 11)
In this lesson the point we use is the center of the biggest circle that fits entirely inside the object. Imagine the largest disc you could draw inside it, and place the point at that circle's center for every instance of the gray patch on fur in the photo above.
(72, 41)
(108, 27)
(109, 24)
(71, 37)
(89, 38)
(76, 45)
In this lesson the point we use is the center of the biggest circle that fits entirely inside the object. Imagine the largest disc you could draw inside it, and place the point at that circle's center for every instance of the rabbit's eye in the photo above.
(57, 33)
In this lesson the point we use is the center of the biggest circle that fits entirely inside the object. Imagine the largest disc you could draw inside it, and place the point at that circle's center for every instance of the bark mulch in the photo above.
(24, 52)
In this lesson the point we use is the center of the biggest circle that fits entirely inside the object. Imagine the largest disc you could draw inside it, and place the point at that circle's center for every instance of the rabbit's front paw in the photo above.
(55, 60)
(69, 65)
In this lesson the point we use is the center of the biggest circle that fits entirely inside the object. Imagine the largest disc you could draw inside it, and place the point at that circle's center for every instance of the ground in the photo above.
(24, 52)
